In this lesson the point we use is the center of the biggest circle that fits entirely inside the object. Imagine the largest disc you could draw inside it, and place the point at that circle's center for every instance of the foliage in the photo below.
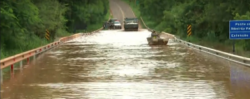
(24, 22)
(83, 13)
(209, 18)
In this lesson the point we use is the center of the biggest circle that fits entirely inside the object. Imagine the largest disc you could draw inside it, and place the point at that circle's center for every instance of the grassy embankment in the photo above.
(227, 47)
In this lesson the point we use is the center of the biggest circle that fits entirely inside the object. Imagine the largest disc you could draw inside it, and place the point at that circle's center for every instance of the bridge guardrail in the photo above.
(228, 56)
(10, 61)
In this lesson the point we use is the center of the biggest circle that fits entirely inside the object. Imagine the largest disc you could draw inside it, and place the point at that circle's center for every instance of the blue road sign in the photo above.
(239, 29)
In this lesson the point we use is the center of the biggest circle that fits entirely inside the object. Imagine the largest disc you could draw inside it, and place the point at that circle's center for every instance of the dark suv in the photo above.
(131, 23)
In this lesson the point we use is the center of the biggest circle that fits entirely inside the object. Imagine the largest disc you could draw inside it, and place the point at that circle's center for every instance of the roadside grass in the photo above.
(134, 7)
(208, 42)
(25, 45)
(62, 33)
(32, 43)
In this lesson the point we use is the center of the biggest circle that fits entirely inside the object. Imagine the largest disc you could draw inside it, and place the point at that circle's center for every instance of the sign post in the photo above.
(238, 30)
(189, 30)
(47, 34)
(234, 46)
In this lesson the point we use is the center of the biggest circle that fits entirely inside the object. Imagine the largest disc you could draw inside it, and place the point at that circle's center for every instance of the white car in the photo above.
(117, 25)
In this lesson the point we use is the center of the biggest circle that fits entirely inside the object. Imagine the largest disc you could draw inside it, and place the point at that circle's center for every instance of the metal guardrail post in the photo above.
(21, 64)
(234, 46)
(1, 75)
(34, 57)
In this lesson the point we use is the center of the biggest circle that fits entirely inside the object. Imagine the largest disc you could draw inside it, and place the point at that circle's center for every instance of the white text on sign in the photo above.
(242, 24)
(239, 35)
(240, 28)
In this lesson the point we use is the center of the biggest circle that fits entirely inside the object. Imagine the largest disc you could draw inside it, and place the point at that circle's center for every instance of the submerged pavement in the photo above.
(114, 64)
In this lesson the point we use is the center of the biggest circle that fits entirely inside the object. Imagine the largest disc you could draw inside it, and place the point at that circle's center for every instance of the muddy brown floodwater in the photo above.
(114, 64)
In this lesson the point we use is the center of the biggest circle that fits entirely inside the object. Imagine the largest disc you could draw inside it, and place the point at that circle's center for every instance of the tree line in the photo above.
(209, 18)
(24, 22)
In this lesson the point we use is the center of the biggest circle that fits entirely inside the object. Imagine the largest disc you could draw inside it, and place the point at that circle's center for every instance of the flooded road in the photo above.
(114, 64)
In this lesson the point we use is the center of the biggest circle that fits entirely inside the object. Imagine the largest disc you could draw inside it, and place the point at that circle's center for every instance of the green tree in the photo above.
(209, 18)
(24, 22)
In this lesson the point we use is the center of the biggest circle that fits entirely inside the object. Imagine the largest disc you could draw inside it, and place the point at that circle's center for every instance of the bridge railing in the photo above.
(32, 53)
(228, 56)
(19, 58)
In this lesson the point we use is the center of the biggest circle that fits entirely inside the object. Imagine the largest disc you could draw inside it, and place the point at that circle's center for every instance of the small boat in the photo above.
(156, 40)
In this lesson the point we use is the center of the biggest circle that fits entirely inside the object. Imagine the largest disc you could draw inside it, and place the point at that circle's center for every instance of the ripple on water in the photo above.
(161, 89)
(56, 52)
(115, 57)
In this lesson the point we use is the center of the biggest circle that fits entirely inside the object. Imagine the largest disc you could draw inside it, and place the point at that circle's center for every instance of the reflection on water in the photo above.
(240, 81)
(120, 65)
(132, 90)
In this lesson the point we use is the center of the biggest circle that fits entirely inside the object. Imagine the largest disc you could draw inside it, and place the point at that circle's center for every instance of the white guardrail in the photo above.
(228, 56)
